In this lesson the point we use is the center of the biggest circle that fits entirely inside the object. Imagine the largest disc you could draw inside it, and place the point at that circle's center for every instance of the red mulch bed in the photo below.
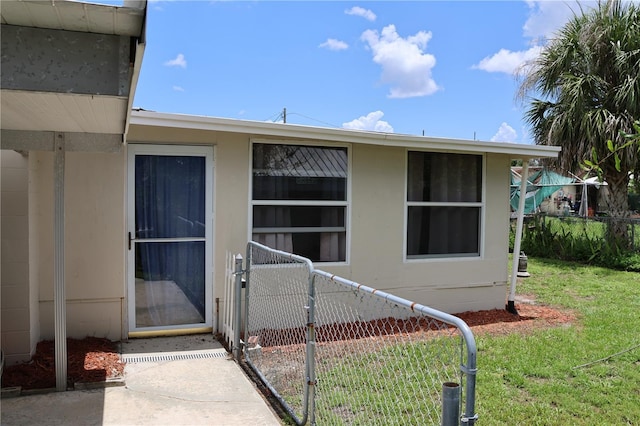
(90, 360)
(94, 360)
(530, 317)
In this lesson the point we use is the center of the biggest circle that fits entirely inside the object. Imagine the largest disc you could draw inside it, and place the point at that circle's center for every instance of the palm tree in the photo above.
(588, 82)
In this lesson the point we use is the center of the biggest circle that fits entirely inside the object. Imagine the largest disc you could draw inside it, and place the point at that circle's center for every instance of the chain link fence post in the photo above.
(450, 404)
(237, 349)
(311, 351)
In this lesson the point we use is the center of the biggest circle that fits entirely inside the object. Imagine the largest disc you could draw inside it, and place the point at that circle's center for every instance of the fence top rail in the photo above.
(284, 254)
(466, 332)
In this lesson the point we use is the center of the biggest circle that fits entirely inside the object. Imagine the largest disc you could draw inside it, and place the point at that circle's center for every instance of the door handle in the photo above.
(130, 239)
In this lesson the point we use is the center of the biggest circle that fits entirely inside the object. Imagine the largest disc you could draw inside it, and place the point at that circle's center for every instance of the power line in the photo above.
(282, 115)
(313, 119)
(275, 117)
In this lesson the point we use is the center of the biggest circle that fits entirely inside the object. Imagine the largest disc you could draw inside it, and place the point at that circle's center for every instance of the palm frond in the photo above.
(584, 88)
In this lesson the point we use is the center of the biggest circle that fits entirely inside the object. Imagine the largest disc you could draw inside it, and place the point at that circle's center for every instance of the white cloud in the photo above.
(369, 122)
(507, 61)
(527, 137)
(333, 44)
(179, 61)
(546, 17)
(505, 133)
(359, 11)
(178, 88)
(404, 64)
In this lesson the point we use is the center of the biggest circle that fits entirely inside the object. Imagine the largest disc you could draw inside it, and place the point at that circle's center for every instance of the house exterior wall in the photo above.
(94, 242)
(19, 310)
(95, 233)
(376, 222)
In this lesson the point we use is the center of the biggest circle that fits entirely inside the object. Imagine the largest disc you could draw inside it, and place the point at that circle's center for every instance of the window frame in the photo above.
(481, 205)
(346, 204)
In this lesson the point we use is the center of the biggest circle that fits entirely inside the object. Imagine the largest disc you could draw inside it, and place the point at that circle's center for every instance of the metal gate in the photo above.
(333, 351)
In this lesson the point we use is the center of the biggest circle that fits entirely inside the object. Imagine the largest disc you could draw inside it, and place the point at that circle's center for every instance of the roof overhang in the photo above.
(75, 16)
(293, 131)
(69, 67)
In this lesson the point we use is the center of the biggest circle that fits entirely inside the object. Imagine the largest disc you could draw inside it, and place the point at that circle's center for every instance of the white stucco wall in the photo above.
(94, 242)
(19, 312)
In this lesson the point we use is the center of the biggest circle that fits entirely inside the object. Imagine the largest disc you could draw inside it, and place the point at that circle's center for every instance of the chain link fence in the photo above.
(334, 352)
(276, 317)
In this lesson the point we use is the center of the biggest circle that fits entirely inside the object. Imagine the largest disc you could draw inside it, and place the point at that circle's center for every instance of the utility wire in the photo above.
(281, 116)
(313, 119)
(277, 116)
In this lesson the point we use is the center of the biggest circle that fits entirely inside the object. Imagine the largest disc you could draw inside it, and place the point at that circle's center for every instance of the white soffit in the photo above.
(44, 111)
(294, 131)
(73, 16)
(33, 110)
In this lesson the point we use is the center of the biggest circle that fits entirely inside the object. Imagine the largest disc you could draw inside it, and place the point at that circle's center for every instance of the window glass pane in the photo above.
(442, 177)
(301, 188)
(317, 246)
(293, 172)
(169, 196)
(443, 230)
(297, 216)
(301, 174)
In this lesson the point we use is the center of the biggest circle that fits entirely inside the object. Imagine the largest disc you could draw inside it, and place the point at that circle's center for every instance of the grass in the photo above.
(390, 386)
(534, 379)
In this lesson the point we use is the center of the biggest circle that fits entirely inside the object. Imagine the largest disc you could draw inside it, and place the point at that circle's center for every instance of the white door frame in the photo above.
(172, 150)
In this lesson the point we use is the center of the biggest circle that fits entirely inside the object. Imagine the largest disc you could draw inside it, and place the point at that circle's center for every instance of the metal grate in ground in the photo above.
(173, 356)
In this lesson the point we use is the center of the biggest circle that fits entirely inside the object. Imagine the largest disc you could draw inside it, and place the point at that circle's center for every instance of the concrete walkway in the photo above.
(170, 381)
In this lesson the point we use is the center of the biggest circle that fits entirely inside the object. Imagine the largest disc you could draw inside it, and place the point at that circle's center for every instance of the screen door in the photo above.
(169, 237)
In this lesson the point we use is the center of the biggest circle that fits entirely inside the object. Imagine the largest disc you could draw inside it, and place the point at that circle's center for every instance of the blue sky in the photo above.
(445, 68)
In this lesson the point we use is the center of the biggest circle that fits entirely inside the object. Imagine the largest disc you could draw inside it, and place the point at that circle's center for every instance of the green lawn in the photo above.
(533, 379)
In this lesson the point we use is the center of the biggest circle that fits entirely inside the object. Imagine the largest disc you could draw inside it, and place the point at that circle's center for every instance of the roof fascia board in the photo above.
(140, 46)
(256, 128)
